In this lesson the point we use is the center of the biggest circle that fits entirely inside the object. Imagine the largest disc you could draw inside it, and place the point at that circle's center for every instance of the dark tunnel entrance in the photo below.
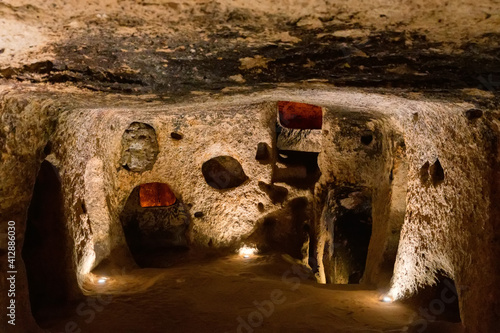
(155, 222)
(437, 304)
(352, 235)
(347, 217)
(45, 252)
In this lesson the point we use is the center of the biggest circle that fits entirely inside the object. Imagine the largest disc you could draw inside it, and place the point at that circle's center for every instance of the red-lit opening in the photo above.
(156, 195)
(300, 115)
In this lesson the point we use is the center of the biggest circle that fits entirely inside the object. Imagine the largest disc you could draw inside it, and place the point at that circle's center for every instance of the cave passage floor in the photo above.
(210, 295)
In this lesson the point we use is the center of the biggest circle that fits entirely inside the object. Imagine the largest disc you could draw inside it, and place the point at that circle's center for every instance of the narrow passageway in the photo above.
(46, 247)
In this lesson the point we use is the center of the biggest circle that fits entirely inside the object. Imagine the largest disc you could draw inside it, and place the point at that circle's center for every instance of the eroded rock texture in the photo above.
(223, 172)
(27, 124)
(262, 153)
(150, 229)
(447, 225)
(139, 147)
(148, 92)
(435, 209)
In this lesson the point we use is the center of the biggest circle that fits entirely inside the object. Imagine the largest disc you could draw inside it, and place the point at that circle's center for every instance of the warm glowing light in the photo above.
(156, 195)
(88, 260)
(395, 293)
(300, 115)
(102, 280)
(386, 299)
(246, 251)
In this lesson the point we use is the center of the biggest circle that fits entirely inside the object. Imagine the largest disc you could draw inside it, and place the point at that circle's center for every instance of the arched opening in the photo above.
(285, 230)
(347, 220)
(437, 305)
(45, 250)
(156, 195)
(155, 222)
(352, 233)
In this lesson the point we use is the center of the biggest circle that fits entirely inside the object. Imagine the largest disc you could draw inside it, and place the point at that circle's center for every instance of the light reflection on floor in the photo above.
(227, 294)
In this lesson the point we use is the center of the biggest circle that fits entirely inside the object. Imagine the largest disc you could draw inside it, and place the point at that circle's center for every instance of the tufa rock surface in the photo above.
(139, 147)
(223, 172)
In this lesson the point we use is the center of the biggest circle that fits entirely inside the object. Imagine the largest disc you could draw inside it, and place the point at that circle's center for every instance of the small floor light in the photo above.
(102, 280)
(386, 299)
(246, 251)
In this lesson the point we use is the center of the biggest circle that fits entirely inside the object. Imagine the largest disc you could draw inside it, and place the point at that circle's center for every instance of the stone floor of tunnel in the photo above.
(231, 293)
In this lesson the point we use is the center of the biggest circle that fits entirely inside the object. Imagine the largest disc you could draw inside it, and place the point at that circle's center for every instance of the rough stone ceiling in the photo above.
(178, 47)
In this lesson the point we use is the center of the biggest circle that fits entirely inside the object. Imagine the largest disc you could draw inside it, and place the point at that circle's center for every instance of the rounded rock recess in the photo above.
(139, 147)
(223, 172)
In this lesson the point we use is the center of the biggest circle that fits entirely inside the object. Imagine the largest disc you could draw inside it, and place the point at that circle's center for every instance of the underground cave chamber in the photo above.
(317, 191)
(154, 221)
(249, 166)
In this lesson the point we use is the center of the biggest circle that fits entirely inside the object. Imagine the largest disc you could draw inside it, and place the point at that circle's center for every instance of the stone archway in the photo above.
(154, 222)
(45, 251)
